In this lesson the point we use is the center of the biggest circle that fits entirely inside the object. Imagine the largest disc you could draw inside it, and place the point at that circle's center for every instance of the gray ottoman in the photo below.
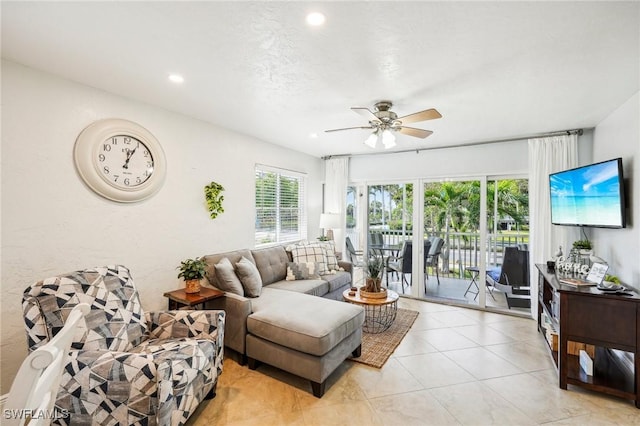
(305, 335)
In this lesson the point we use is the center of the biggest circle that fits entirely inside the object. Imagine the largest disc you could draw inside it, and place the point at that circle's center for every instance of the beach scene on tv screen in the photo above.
(587, 196)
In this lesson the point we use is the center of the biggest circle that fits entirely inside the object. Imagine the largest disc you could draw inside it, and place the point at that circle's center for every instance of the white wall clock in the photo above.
(120, 160)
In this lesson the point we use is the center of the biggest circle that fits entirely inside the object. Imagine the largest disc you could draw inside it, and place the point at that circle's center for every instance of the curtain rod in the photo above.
(578, 132)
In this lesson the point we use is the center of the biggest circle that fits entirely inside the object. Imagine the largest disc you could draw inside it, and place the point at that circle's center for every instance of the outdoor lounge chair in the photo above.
(513, 278)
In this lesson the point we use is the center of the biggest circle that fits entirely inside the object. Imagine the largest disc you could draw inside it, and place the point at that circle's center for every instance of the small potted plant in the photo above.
(583, 247)
(373, 270)
(192, 271)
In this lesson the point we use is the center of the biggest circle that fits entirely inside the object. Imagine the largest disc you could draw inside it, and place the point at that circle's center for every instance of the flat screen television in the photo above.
(590, 195)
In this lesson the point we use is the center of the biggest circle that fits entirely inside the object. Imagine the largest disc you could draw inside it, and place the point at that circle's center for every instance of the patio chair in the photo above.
(402, 263)
(375, 239)
(513, 278)
(353, 254)
(433, 258)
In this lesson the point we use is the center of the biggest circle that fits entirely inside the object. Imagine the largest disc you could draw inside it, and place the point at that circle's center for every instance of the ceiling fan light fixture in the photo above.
(372, 140)
(388, 139)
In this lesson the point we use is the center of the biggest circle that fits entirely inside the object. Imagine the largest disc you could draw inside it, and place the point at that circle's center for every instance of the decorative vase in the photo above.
(192, 286)
(373, 285)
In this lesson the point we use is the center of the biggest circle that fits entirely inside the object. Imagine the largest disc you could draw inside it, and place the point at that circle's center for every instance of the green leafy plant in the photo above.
(323, 238)
(374, 267)
(582, 245)
(612, 278)
(213, 194)
(192, 269)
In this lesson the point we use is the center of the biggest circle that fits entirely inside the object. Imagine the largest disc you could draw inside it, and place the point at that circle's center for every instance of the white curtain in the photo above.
(546, 156)
(336, 177)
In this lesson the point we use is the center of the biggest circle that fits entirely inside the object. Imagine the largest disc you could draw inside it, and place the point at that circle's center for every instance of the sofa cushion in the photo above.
(309, 253)
(337, 280)
(233, 256)
(250, 277)
(272, 263)
(302, 271)
(227, 278)
(317, 287)
(330, 253)
(311, 325)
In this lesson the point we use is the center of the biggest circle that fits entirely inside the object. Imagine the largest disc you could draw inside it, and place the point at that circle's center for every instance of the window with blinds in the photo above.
(281, 215)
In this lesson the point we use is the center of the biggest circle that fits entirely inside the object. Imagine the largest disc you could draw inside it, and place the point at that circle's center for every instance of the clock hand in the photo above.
(129, 154)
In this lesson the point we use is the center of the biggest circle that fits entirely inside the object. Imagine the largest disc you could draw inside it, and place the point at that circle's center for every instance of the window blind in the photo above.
(280, 206)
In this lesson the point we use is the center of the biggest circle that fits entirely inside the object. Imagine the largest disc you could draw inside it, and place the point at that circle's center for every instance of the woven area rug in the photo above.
(377, 348)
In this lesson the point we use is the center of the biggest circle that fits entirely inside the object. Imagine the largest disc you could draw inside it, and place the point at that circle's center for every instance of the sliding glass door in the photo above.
(508, 229)
(452, 228)
(461, 228)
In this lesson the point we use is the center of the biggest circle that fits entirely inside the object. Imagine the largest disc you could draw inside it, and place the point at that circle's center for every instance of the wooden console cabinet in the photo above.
(609, 322)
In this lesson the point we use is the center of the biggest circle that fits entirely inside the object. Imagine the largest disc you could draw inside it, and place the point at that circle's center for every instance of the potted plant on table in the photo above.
(192, 271)
(583, 248)
(372, 287)
(582, 245)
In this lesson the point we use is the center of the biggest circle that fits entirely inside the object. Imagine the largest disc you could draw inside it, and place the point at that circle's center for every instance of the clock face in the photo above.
(120, 160)
(124, 161)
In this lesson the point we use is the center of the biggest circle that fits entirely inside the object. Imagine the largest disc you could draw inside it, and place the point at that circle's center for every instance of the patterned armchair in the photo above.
(126, 366)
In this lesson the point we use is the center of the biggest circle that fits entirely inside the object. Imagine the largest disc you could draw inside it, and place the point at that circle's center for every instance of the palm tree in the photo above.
(450, 203)
(513, 201)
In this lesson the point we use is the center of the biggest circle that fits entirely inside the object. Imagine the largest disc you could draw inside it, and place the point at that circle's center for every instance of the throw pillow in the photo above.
(250, 277)
(310, 253)
(301, 271)
(330, 253)
(227, 278)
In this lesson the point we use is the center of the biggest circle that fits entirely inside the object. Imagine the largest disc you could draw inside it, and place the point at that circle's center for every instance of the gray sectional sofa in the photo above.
(299, 326)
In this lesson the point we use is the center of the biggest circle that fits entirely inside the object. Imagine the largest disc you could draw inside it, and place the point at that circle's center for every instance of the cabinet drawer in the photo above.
(599, 319)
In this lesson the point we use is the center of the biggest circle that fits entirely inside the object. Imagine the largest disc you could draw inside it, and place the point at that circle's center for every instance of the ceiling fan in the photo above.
(384, 121)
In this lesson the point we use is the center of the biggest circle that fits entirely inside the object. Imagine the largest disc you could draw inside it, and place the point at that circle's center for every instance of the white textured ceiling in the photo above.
(494, 70)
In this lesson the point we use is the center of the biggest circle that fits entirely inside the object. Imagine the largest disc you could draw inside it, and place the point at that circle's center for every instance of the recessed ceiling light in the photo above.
(315, 19)
(313, 135)
(176, 78)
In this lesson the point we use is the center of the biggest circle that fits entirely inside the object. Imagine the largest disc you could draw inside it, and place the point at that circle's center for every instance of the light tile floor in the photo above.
(455, 366)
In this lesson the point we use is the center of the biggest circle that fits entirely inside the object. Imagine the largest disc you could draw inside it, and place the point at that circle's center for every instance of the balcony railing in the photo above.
(461, 249)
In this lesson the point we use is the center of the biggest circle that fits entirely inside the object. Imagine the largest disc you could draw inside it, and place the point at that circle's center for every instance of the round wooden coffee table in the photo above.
(379, 313)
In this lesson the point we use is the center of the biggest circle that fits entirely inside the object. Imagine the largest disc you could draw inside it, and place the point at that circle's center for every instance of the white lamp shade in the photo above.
(330, 221)
(388, 139)
(372, 140)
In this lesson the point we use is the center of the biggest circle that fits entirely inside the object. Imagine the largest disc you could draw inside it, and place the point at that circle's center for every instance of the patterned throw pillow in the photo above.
(330, 253)
(302, 271)
(250, 277)
(227, 278)
(310, 253)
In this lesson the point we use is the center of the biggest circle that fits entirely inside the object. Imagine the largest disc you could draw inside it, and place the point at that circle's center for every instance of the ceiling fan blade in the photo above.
(366, 113)
(348, 128)
(412, 131)
(428, 114)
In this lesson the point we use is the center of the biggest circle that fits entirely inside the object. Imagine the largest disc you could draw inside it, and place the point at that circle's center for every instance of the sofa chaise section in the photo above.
(310, 338)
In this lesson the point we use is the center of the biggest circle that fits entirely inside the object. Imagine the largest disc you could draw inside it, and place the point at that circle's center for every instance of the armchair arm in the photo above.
(84, 401)
(192, 324)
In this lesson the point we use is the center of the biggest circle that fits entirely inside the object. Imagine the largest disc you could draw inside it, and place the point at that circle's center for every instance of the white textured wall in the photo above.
(52, 223)
(618, 135)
